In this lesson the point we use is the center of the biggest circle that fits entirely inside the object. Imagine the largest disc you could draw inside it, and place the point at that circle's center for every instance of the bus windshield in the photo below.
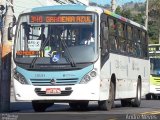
(155, 66)
(56, 39)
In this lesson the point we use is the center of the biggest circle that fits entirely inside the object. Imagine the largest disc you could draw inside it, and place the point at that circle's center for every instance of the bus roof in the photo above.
(79, 7)
(124, 19)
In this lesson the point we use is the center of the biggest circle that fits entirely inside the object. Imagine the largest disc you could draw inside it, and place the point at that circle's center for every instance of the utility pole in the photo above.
(5, 79)
(146, 20)
(113, 5)
(159, 29)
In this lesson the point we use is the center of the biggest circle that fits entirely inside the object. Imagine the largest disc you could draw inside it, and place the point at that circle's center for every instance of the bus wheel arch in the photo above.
(113, 79)
(109, 103)
(137, 100)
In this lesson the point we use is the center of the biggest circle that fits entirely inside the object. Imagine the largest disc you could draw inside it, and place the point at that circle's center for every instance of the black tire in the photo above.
(148, 96)
(79, 105)
(108, 104)
(154, 97)
(83, 105)
(73, 105)
(126, 103)
(39, 106)
(137, 101)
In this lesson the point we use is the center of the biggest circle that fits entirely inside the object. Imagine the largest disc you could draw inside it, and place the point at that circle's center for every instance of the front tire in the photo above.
(73, 105)
(79, 105)
(83, 105)
(39, 106)
(108, 104)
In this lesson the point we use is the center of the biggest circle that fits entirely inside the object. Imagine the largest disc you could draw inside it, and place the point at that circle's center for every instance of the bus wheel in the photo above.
(108, 104)
(148, 96)
(73, 105)
(154, 97)
(126, 103)
(137, 101)
(39, 106)
(83, 105)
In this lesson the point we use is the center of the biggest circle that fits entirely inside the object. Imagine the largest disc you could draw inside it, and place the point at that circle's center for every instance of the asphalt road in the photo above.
(149, 110)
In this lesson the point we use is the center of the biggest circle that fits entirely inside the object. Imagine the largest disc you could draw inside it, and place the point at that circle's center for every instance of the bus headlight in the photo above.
(20, 78)
(88, 77)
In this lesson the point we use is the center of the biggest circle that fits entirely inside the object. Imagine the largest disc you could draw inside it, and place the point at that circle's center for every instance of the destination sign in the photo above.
(60, 19)
(27, 53)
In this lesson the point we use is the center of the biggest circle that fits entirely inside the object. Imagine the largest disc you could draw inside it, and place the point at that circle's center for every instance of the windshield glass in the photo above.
(56, 39)
(155, 66)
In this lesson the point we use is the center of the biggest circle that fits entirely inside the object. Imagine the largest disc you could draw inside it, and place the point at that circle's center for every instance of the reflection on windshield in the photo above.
(155, 66)
(47, 42)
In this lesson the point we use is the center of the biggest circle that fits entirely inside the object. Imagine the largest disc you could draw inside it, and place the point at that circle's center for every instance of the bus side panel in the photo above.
(126, 69)
(105, 80)
(139, 68)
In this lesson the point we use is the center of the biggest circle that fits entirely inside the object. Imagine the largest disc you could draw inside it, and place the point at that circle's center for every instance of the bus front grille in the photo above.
(58, 82)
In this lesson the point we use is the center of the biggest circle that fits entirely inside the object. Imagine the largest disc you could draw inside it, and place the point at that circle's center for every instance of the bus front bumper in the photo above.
(89, 91)
(155, 89)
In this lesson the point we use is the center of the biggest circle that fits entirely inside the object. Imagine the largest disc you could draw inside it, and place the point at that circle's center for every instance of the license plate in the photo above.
(53, 91)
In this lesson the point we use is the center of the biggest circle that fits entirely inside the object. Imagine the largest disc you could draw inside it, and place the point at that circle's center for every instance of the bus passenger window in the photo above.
(113, 42)
(104, 37)
(138, 50)
(143, 37)
(129, 32)
(112, 34)
(121, 36)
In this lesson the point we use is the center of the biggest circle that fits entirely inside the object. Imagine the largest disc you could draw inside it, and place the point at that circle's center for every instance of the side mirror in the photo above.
(10, 28)
(10, 33)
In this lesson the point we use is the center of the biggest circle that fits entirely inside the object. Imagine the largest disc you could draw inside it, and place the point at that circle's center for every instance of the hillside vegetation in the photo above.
(136, 12)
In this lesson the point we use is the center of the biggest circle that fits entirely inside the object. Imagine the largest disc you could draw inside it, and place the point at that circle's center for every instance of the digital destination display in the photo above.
(60, 19)
(27, 53)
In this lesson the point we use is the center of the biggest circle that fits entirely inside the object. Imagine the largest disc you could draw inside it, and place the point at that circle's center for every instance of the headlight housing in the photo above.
(88, 77)
(19, 77)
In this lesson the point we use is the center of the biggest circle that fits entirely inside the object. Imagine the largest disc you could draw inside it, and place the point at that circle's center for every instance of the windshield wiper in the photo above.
(42, 47)
(73, 64)
(70, 59)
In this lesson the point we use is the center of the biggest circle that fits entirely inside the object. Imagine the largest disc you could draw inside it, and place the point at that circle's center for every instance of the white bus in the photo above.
(52, 64)
(154, 55)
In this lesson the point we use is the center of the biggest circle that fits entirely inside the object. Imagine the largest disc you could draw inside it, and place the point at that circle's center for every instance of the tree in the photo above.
(154, 12)
(125, 12)
(118, 10)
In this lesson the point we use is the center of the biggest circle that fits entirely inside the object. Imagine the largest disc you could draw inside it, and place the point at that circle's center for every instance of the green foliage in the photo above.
(153, 32)
(139, 18)
(154, 23)
(127, 14)
(137, 14)
(118, 10)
